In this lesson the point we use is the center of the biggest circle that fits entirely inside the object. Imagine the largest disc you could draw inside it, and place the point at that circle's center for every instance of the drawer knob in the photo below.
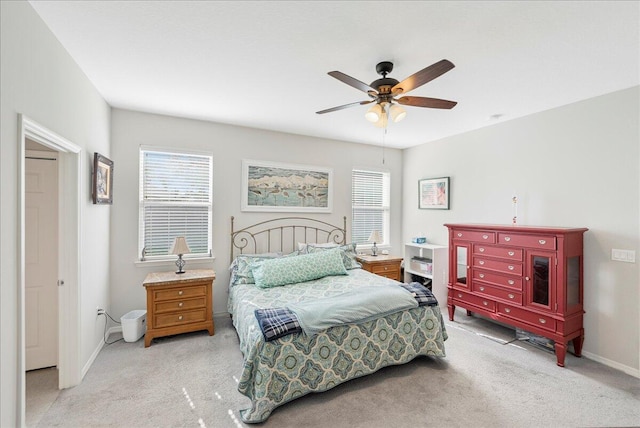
(542, 241)
(386, 268)
(180, 293)
(511, 253)
(527, 278)
(485, 236)
(459, 295)
(481, 249)
(542, 320)
(484, 302)
(511, 296)
(506, 238)
(511, 267)
(459, 235)
(180, 317)
(481, 262)
(511, 282)
(180, 304)
(481, 275)
(481, 288)
(507, 310)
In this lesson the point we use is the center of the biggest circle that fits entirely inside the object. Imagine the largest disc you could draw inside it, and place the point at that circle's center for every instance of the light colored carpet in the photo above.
(190, 380)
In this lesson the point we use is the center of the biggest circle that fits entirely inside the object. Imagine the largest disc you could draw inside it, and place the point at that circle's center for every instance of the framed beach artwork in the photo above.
(281, 187)
(433, 193)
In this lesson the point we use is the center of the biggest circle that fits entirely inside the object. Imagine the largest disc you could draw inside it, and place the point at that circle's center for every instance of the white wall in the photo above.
(39, 79)
(576, 165)
(229, 145)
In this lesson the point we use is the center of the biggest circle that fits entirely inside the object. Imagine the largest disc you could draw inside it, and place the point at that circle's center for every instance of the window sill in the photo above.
(172, 262)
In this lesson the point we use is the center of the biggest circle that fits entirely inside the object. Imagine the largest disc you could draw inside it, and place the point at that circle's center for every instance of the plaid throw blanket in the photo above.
(277, 322)
(423, 295)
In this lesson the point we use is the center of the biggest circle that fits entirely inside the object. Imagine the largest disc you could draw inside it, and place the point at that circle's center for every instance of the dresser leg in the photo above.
(147, 340)
(561, 351)
(452, 310)
(577, 344)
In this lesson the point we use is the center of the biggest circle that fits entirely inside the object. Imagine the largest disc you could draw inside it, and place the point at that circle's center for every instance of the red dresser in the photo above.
(525, 276)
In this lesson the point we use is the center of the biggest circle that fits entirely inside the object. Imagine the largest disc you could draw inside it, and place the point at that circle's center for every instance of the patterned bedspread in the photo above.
(281, 370)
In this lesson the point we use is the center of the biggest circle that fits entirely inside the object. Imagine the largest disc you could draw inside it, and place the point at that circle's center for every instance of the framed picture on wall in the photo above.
(102, 185)
(433, 193)
(281, 187)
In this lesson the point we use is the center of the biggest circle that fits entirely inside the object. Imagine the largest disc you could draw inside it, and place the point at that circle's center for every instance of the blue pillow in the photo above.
(290, 270)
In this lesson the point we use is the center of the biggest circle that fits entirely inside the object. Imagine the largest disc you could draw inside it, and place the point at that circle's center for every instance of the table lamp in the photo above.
(374, 237)
(179, 248)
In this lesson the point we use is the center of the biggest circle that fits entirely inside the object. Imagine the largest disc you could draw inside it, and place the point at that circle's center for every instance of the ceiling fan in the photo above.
(383, 92)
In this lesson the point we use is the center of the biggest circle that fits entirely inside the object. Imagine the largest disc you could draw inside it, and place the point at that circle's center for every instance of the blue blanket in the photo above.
(351, 307)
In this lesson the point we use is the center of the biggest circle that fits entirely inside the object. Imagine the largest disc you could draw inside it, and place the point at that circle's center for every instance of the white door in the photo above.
(41, 261)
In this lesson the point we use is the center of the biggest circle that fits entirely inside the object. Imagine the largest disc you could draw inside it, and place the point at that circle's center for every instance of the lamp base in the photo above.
(180, 263)
(374, 250)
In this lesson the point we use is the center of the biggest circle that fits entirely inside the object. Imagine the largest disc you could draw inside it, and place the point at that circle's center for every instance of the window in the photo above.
(370, 205)
(175, 200)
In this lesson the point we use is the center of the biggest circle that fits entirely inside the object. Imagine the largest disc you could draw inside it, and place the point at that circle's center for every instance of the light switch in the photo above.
(628, 256)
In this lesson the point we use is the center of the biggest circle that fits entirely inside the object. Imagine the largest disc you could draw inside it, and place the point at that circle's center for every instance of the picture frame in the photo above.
(283, 187)
(433, 193)
(102, 180)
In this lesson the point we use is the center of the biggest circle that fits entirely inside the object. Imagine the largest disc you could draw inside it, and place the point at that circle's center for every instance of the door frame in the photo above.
(69, 250)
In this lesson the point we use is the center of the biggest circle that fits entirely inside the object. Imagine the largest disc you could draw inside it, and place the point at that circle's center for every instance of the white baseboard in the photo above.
(607, 362)
(95, 353)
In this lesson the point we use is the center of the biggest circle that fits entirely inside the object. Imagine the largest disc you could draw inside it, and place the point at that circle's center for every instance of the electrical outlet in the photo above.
(100, 310)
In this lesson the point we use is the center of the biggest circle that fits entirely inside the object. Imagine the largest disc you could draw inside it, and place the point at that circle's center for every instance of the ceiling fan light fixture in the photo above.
(382, 122)
(374, 113)
(397, 113)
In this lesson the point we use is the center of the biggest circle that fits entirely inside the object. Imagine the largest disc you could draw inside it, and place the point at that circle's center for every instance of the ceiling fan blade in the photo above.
(423, 76)
(427, 102)
(351, 81)
(329, 110)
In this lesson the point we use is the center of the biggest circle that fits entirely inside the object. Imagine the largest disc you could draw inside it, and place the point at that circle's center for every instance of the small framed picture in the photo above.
(433, 193)
(102, 186)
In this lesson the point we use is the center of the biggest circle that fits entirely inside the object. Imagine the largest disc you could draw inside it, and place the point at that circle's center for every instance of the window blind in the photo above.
(370, 205)
(175, 200)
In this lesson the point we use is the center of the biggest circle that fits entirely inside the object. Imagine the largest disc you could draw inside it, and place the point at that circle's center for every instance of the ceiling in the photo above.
(264, 64)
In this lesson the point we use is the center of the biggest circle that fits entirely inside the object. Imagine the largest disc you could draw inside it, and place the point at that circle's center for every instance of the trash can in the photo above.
(134, 324)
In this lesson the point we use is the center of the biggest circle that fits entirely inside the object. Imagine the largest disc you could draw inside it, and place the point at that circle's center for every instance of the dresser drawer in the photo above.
(541, 321)
(179, 318)
(508, 295)
(473, 236)
(180, 305)
(179, 292)
(545, 242)
(501, 252)
(479, 301)
(514, 282)
(500, 266)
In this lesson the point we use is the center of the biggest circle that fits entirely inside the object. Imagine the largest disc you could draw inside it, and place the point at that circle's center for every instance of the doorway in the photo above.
(66, 246)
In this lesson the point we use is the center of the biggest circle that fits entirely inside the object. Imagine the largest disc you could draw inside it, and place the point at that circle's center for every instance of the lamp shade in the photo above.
(180, 246)
(374, 113)
(375, 237)
(397, 113)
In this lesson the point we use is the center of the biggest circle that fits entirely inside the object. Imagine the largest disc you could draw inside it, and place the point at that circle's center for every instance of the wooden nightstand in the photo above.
(179, 303)
(382, 265)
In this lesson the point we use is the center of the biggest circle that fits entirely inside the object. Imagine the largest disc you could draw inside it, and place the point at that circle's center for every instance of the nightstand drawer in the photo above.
(180, 305)
(387, 269)
(180, 293)
(178, 318)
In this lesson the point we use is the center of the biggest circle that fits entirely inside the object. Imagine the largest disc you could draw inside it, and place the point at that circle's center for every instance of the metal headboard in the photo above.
(283, 234)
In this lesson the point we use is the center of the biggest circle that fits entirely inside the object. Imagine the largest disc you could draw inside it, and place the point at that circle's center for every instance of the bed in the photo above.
(278, 371)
